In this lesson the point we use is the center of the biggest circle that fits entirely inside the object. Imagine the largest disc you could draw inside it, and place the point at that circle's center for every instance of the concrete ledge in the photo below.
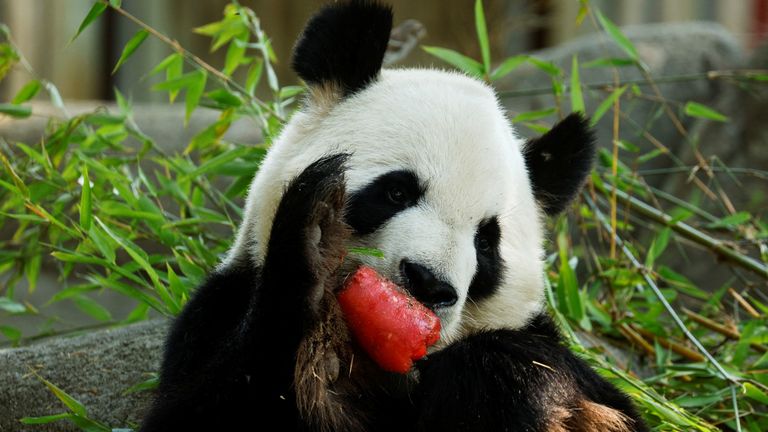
(94, 368)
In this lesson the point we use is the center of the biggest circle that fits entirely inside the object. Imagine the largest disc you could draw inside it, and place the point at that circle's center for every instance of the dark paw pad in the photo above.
(307, 240)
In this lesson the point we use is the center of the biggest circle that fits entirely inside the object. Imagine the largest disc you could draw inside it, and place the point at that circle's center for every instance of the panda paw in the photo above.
(307, 241)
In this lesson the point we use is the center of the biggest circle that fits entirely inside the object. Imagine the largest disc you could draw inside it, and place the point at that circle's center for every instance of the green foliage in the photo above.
(98, 201)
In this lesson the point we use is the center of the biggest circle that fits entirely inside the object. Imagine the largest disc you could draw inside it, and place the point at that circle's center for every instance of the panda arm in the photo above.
(522, 380)
(232, 349)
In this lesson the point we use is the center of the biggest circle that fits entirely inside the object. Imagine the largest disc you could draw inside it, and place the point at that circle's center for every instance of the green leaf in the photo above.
(482, 36)
(694, 109)
(130, 48)
(550, 68)
(460, 61)
(235, 54)
(754, 392)
(606, 104)
(609, 62)
(507, 66)
(73, 404)
(731, 221)
(97, 9)
(194, 91)
(115, 3)
(11, 306)
(618, 37)
(46, 419)
(103, 243)
(12, 333)
(86, 214)
(32, 270)
(577, 100)
(92, 308)
(658, 245)
(27, 92)
(534, 115)
(254, 74)
(148, 384)
(18, 111)
(366, 252)
(138, 255)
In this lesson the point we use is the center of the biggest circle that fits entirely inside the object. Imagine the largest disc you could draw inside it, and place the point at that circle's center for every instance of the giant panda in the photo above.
(424, 166)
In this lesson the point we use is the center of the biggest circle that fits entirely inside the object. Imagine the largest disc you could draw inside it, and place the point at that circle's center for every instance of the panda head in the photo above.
(436, 177)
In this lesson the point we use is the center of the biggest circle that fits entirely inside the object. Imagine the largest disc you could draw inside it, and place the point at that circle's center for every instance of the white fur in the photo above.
(450, 130)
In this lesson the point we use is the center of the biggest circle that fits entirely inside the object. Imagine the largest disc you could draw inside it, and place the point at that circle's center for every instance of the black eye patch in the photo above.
(387, 195)
(489, 263)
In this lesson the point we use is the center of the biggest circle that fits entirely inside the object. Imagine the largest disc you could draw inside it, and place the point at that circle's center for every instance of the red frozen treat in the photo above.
(392, 327)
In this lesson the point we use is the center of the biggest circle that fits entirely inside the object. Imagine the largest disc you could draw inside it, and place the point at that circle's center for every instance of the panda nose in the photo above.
(428, 289)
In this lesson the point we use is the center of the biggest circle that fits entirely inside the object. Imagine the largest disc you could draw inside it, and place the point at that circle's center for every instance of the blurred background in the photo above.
(43, 28)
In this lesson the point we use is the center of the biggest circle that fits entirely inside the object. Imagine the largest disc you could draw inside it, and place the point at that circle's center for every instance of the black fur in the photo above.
(344, 44)
(490, 266)
(375, 204)
(230, 357)
(509, 380)
(559, 161)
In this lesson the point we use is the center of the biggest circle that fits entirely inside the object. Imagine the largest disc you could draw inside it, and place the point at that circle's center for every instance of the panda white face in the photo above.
(436, 180)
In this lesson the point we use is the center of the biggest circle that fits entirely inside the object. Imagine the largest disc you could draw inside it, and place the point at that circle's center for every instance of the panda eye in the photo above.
(483, 245)
(396, 195)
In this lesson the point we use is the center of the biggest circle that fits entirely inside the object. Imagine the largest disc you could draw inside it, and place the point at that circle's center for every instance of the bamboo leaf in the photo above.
(130, 47)
(482, 36)
(577, 99)
(73, 404)
(17, 111)
(460, 61)
(235, 55)
(534, 115)
(32, 271)
(694, 109)
(11, 306)
(194, 91)
(618, 37)
(92, 308)
(46, 419)
(27, 92)
(86, 214)
(254, 74)
(658, 245)
(97, 9)
(550, 68)
(606, 104)
(507, 66)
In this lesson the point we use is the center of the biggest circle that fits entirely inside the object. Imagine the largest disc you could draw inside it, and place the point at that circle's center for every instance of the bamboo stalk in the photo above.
(743, 302)
(636, 339)
(671, 345)
(719, 328)
(689, 232)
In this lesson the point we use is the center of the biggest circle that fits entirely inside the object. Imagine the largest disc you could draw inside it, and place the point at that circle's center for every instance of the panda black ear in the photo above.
(344, 44)
(559, 161)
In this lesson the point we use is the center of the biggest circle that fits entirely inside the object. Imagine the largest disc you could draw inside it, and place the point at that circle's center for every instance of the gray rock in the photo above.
(95, 368)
